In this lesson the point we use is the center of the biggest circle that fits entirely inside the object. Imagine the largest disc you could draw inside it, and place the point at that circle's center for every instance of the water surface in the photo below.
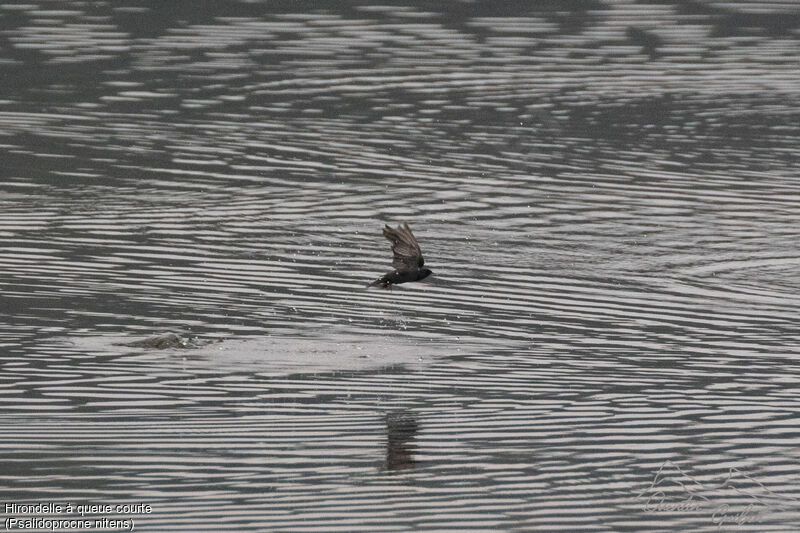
(606, 191)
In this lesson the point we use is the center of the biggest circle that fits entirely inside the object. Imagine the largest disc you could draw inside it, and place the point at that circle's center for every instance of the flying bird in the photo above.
(407, 260)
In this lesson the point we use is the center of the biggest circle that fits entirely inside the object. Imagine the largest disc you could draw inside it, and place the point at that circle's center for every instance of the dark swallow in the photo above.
(407, 260)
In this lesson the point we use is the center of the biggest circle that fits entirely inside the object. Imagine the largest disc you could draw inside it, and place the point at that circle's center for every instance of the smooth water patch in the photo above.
(280, 354)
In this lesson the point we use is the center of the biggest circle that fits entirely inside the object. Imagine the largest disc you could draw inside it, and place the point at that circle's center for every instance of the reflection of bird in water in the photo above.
(407, 261)
(401, 428)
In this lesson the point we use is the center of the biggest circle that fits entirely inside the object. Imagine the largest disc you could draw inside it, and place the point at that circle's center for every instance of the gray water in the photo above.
(606, 191)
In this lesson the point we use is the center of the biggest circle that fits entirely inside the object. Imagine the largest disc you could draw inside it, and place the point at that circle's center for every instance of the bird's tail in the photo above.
(383, 282)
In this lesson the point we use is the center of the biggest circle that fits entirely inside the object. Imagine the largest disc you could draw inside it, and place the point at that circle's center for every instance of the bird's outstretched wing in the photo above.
(407, 254)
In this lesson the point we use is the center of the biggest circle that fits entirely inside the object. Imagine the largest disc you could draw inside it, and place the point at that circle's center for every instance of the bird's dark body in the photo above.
(396, 277)
(407, 260)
